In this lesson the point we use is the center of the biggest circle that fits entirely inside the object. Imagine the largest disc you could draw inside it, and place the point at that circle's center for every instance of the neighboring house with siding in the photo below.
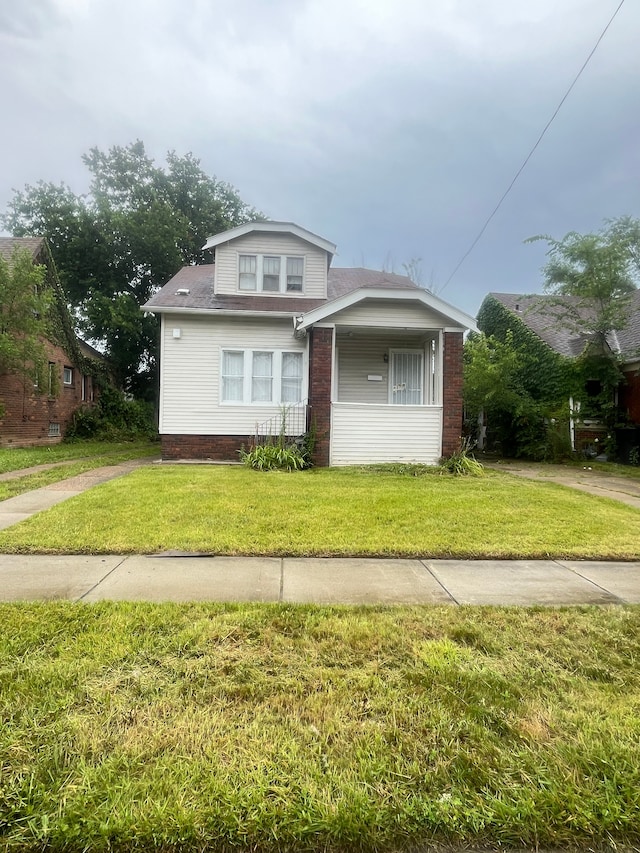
(372, 361)
(40, 414)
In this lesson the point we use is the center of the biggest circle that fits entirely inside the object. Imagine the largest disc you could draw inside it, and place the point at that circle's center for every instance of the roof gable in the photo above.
(33, 245)
(451, 316)
(270, 227)
(82, 353)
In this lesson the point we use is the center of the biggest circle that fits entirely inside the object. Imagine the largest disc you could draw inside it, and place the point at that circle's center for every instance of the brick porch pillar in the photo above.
(451, 392)
(320, 363)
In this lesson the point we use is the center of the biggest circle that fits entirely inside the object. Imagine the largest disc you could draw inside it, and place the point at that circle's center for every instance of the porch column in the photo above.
(320, 363)
(451, 393)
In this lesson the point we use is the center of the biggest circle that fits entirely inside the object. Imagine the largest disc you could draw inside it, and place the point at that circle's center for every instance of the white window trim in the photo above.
(66, 369)
(247, 378)
(259, 273)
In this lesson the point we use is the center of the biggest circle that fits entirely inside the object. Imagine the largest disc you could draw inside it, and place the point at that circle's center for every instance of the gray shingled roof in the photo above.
(198, 280)
(8, 244)
(540, 315)
(342, 280)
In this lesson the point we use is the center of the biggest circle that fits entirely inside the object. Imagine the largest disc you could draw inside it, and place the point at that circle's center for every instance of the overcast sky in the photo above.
(390, 127)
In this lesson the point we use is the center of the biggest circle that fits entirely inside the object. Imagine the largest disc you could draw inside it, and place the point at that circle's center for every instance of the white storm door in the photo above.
(406, 386)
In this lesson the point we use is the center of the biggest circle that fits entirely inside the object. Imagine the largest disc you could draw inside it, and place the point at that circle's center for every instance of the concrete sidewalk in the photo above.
(160, 578)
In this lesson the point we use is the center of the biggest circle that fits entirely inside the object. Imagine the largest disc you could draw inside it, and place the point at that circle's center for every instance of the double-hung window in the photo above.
(248, 272)
(232, 376)
(262, 377)
(295, 270)
(266, 377)
(271, 273)
(291, 377)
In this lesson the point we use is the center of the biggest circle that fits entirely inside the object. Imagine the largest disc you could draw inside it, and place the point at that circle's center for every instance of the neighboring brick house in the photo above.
(370, 360)
(538, 314)
(41, 415)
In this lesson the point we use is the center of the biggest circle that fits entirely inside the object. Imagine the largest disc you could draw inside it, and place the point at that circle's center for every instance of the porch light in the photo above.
(385, 358)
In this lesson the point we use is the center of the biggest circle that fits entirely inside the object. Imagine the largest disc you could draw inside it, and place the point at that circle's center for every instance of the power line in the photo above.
(531, 153)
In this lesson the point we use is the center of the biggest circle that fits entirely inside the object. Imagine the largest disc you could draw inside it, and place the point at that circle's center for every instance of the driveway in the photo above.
(626, 490)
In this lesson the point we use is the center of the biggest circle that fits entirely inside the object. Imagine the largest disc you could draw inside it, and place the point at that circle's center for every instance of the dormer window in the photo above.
(295, 268)
(270, 273)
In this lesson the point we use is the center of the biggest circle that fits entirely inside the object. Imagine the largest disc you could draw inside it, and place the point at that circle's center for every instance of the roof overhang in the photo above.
(452, 316)
(216, 312)
(272, 228)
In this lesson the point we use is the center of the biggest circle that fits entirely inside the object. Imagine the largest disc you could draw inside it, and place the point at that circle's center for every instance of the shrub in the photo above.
(463, 462)
(270, 457)
(113, 418)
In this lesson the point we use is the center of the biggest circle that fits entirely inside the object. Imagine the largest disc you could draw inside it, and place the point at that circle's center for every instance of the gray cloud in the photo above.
(390, 128)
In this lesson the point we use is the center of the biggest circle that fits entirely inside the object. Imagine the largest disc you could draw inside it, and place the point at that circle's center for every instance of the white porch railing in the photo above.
(365, 433)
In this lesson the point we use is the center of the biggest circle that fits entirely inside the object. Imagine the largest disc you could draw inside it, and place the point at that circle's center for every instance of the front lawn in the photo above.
(281, 728)
(332, 512)
(17, 458)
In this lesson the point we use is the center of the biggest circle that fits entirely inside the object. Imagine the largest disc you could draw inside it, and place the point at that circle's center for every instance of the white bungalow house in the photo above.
(370, 359)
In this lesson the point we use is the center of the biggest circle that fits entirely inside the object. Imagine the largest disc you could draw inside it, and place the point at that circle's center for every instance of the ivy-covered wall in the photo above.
(546, 375)
(519, 386)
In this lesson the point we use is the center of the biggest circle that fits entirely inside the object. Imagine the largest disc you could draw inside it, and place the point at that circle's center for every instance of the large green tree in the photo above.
(590, 279)
(115, 246)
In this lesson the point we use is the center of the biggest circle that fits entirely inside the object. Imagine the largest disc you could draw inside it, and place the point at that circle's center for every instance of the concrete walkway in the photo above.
(24, 506)
(317, 581)
(180, 577)
(625, 490)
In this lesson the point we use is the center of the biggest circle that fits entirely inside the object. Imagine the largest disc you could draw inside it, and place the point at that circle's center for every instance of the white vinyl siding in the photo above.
(386, 314)
(314, 262)
(192, 373)
(363, 434)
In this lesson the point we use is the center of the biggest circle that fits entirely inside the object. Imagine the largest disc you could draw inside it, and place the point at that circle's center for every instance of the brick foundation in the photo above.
(451, 393)
(320, 365)
(220, 448)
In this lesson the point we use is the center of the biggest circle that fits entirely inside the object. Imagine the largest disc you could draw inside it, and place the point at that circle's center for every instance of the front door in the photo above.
(407, 378)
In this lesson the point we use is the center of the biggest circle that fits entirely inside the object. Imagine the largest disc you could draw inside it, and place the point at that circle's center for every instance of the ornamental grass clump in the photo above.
(272, 457)
(463, 463)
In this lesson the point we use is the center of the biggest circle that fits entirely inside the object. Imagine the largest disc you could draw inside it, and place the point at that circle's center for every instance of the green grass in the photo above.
(15, 459)
(332, 512)
(282, 728)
